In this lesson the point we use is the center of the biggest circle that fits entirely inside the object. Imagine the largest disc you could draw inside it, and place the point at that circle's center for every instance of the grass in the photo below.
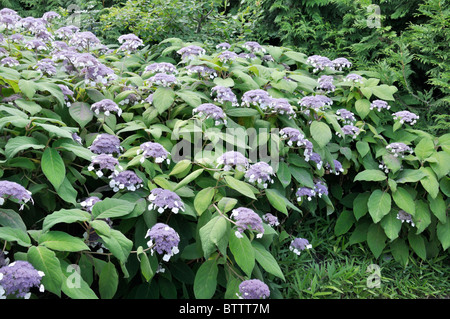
(334, 270)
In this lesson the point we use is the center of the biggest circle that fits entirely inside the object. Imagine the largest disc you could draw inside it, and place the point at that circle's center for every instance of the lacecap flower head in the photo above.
(246, 218)
(298, 245)
(125, 179)
(18, 278)
(102, 162)
(16, 191)
(153, 150)
(260, 174)
(164, 240)
(233, 159)
(253, 289)
(106, 144)
(107, 107)
(209, 110)
(162, 199)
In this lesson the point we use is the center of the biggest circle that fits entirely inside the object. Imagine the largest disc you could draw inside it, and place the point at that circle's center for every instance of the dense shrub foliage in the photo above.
(175, 171)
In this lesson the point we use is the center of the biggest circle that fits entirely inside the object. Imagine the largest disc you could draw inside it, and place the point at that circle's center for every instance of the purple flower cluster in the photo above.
(406, 117)
(307, 192)
(317, 102)
(340, 63)
(89, 202)
(165, 199)
(405, 217)
(36, 45)
(346, 116)
(209, 110)
(253, 289)
(319, 62)
(162, 79)
(337, 167)
(233, 159)
(190, 52)
(107, 107)
(201, 70)
(106, 144)
(326, 83)
(256, 97)
(226, 56)
(399, 149)
(66, 32)
(66, 92)
(153, 150)
(281, 106)
(349, 129)
(84, 41)
(353, 77)
(320, 188)
(223, 46)
(293, 136)
(260, 174)
(125, 179)
(224, 94)
(18, 278)
(162, 67)
(253, 47)
(16, 191)
(46, 66)
(164, 240)
(9, 62)
(379, 105)
(271, 219)
(103, 162)
(316, 158)
(298, 245)
(129, 43)
(246, 218)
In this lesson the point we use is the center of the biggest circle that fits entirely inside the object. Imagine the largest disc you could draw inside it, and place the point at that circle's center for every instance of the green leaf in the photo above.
(243, 252)
(417, 243)
(226, 204)
(363, 148)
(241, 112)
(303, 176)
(376, 239)
(205, 281)
(27, 87)
(78, 150)
(410, 176)
(362, 107)
(429, 182)
(321, 133)
(192, 176)
(10, 218)
(284, 174)
(360, 207)
(373, 175)
(424, 148)
(443, 233)
(400, 251)
(111, 208)
(384, 92)
(65, 216)
(53, 167)
(15, 234)
(203, 199)
(61, 241)
(379, 205)
(344, 222)
(180, 167)
(214, 235)
(119, 245)
(29, 106)
(438, 207)
(266, 260)
(228, 82)
(67, 192)
(391, 225)
(108, 281)
(20, 143)
(73, 284)
(45, 260)
(81, 112)
(404, 200)
(145, 266)
(422, 217)
(241, 187)
(190, 97)
(163, 99)
(276, 200)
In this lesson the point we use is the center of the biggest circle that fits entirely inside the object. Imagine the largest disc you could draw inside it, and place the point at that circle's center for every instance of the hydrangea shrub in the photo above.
(177, 172)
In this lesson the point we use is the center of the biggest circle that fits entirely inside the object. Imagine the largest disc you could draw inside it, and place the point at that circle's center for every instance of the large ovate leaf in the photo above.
(379, 205)
(53, 167)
